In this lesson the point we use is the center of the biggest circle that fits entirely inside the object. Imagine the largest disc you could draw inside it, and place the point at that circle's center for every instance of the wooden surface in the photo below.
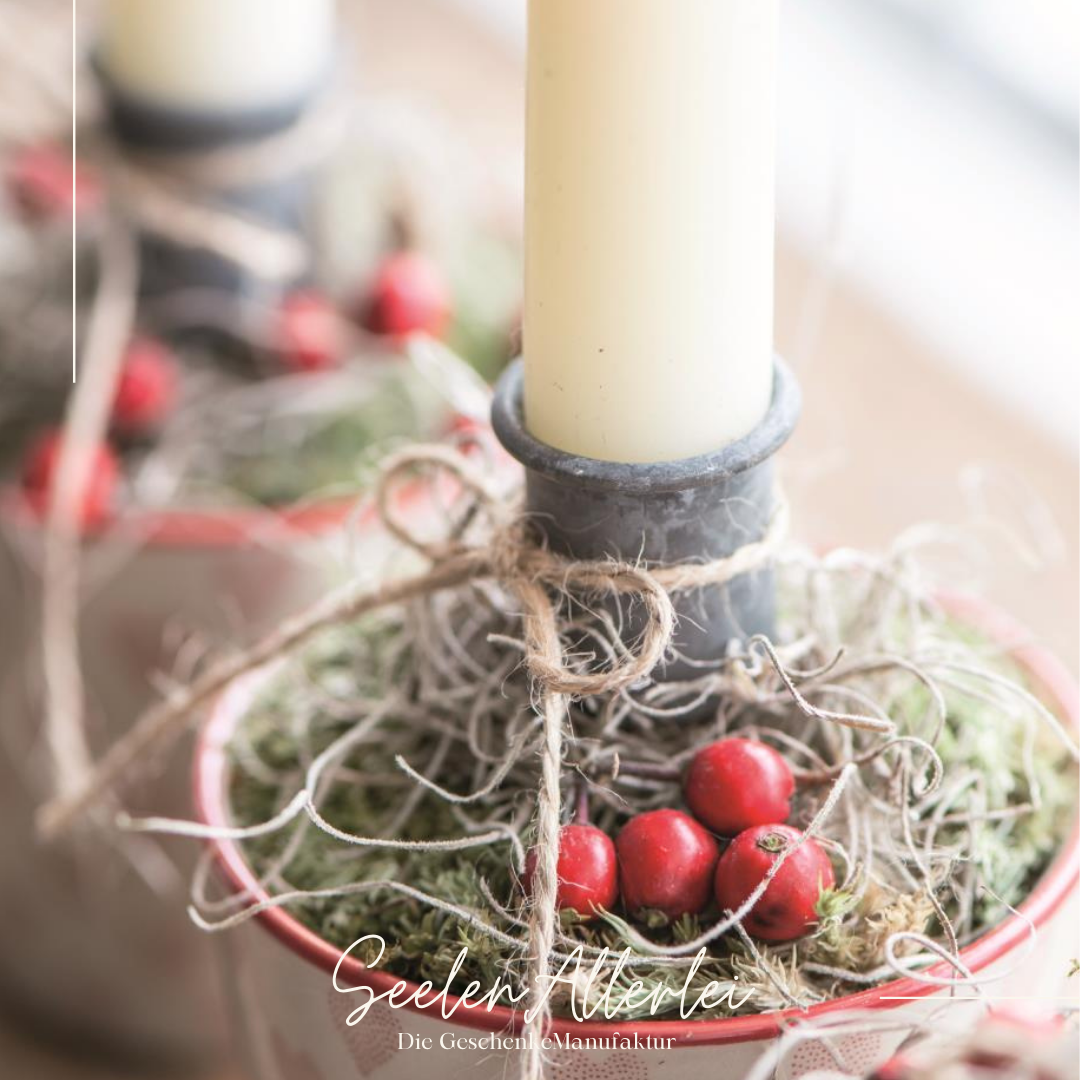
(887, 429)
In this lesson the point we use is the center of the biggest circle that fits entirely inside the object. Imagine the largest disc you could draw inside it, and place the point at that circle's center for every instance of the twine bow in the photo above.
(532, 574)
(509, 554)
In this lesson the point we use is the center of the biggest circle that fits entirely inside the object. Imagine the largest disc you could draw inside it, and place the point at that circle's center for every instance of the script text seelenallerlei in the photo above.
(595, 989)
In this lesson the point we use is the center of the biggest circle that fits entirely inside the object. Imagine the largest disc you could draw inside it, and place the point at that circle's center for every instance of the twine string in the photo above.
(111, 319)
(543, 640)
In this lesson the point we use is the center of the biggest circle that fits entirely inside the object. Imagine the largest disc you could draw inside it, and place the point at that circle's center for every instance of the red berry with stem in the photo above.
(409, 295)
(47, 186)
(588, 873)
(39, 475)
(787, 908)
(735, 784)
(309, 334)
(146, 390)
(666, 863)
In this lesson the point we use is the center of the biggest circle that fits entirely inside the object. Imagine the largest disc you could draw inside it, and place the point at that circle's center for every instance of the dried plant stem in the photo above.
(111, 319)
(161, 721)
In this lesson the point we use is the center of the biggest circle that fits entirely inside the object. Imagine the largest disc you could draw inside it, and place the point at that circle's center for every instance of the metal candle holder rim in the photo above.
(508, 420)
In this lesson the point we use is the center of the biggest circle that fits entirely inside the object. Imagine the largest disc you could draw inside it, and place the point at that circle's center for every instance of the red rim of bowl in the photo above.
(211, 769)
(225, 526)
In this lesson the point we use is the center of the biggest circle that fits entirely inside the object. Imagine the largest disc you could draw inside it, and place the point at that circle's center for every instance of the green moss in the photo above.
(334, 450)
(997, 750)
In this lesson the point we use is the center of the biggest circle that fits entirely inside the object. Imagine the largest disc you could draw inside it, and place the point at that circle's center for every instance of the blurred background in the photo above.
(928, 272)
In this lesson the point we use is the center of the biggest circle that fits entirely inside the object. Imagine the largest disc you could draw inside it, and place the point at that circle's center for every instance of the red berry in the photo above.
(44, 184)
(40, 469)
(785, 910)
(736, 783)
(309, 333)
(408, 296)
(666, 863)
(588, 875)
(146, 390)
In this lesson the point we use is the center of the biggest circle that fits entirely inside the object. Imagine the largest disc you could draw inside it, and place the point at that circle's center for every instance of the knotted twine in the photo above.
(509, 553)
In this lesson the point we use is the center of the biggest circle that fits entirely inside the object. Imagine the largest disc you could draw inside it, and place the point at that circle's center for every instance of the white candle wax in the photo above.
(649, 224)
(217, 54)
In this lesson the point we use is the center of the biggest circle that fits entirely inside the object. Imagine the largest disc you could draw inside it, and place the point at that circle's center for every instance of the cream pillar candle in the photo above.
(217, 54)
(649, 224)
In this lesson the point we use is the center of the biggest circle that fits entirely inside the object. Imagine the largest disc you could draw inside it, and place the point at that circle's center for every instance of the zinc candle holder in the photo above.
(270, 194)
(697, 509)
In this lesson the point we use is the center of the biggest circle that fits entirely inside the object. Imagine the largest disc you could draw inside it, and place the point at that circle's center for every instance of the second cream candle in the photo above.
(229, 55)
(649, 224)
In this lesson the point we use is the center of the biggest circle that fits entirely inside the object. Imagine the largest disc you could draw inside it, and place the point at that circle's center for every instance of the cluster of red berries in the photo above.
(309, 335)
(408, 295)
(671, 862)
(308, 332)
(146, 392)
